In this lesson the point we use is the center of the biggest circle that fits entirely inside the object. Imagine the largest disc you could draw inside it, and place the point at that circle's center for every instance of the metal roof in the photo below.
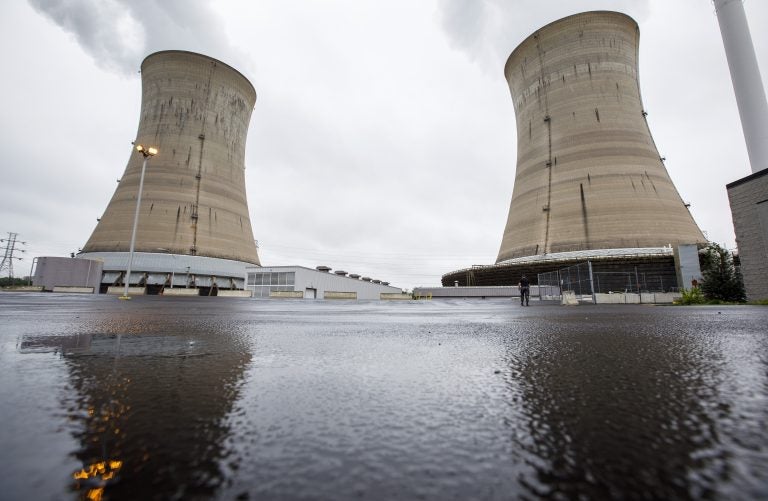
(582, 255)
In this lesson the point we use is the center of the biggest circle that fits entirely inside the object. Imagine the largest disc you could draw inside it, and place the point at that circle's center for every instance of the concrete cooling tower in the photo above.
(589, 181)
(194, 229)
(589, 175)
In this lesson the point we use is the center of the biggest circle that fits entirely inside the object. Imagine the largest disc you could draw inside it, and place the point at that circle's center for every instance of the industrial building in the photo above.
(305, 283)
(590, 184)
(64, 274)
(193, 228)
(748, 197)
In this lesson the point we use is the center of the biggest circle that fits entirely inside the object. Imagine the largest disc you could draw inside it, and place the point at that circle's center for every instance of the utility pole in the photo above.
(9, 251)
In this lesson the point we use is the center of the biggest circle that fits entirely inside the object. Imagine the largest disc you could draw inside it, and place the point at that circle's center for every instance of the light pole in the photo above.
(146, 152)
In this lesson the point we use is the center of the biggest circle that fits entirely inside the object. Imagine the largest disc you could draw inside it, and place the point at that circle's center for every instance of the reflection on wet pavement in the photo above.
(196, 398)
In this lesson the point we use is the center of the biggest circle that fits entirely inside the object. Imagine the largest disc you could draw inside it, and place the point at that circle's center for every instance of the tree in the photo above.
(721, 280)
(8, 281)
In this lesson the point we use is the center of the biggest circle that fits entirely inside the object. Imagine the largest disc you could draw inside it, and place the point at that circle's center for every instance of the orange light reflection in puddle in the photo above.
(101, 472)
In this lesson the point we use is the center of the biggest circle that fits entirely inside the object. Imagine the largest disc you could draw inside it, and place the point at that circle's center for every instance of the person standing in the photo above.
(525, 290)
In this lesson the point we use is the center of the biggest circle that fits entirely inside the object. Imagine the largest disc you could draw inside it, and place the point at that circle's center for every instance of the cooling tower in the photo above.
(588, 175)
(193, 218)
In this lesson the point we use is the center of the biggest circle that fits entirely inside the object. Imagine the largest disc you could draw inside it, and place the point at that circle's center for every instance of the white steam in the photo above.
(118, 34)
(488, 30)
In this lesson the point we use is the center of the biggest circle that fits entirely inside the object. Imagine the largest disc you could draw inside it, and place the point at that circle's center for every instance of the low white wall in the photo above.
(633, 298)
(180, 292)
(132, 291)
(619, 298)
(222, 293)
(660, 297)
(81, 290)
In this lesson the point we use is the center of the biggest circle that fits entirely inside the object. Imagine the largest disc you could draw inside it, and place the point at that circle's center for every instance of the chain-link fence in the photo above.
(584, 280)
(551, 281)
(576, 279)
(632, 281)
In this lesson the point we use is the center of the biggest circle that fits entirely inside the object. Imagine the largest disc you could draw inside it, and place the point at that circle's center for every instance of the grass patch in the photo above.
(695, 296)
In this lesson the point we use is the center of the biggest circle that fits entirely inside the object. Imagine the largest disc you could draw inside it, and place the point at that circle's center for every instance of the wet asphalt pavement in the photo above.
(198, 398)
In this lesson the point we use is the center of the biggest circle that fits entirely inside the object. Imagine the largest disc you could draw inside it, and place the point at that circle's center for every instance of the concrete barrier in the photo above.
(634, 298)
(66, 288)
(569, 298)
(286, 295)
(132, 291)
(181, 292)
(660, 297)
(222, 293)
(618, 298)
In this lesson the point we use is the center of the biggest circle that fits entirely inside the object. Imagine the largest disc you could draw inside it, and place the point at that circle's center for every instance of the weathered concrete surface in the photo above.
(588, 173)
(196, 111)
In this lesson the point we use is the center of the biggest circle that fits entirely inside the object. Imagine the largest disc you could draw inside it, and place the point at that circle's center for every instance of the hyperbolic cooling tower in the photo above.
(195, 110)
(588, 172)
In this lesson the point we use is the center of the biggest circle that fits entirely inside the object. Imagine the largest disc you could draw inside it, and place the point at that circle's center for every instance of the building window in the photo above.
(262, 283)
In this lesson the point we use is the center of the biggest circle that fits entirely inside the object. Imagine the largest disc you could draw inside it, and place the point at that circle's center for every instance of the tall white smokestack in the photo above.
(745, 75)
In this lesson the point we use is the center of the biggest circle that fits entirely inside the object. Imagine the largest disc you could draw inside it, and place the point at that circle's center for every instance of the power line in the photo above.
(10, 250)
(358, 252)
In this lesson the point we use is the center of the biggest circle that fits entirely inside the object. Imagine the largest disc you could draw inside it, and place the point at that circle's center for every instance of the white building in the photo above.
(320, 283)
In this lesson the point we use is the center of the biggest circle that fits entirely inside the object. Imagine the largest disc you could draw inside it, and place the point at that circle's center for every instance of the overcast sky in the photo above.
(383, 137)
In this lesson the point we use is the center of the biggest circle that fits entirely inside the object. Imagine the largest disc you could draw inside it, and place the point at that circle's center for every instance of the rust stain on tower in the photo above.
(196, 111)
(589, 175)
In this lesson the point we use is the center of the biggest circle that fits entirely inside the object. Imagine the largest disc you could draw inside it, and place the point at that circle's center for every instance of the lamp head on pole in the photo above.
(147, 151)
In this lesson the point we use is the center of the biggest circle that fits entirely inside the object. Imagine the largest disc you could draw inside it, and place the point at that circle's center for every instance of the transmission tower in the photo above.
(9, 250)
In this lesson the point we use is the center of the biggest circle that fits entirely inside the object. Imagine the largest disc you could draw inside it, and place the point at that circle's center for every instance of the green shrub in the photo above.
(692, 296)
(722, 282)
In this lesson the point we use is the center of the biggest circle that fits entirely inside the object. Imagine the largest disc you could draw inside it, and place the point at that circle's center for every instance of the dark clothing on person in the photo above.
(525, 289)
